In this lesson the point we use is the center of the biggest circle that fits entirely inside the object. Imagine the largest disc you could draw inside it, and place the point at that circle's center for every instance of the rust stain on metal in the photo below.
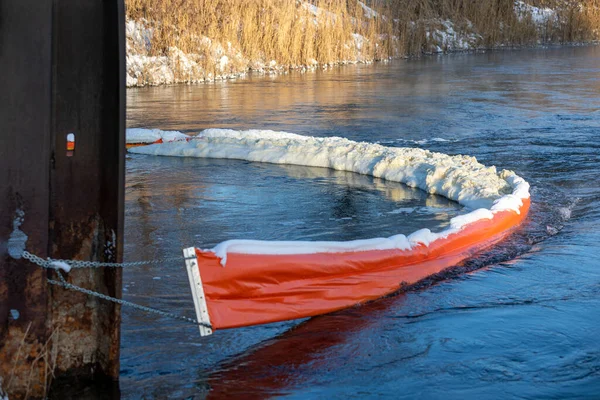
(86, 334)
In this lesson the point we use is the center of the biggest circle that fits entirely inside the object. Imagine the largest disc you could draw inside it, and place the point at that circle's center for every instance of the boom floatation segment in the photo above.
(241, 282)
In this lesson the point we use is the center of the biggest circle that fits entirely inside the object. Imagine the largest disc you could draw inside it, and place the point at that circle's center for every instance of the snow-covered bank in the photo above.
(304, 36)
(538, 15)
(460, 178)
(212, 61)
(442, 36)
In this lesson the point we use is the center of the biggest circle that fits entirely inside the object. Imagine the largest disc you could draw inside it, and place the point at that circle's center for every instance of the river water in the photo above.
(520, 320)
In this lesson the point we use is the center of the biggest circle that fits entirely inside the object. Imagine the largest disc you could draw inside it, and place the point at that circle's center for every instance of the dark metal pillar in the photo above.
(86, 187)
(62, 72)
(25, 120)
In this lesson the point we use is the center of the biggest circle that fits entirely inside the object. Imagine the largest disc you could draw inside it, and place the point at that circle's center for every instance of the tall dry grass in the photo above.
(288, 33)
(579, 21)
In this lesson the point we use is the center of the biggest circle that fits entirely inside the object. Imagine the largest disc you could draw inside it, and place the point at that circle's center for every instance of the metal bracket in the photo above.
(191, 264)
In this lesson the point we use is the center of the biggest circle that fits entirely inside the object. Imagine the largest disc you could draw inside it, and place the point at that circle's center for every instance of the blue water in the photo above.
(521, 320)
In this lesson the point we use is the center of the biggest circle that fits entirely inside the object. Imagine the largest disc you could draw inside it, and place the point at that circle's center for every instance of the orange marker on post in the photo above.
(70, 144)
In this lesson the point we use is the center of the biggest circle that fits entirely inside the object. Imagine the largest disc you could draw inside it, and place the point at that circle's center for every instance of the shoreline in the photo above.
(250, 73)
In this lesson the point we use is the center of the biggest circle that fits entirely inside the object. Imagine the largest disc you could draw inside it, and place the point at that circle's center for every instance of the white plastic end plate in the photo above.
(191, 264)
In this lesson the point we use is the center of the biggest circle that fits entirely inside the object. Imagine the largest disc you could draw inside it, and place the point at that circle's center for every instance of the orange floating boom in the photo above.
(132, 145)
(262, 288)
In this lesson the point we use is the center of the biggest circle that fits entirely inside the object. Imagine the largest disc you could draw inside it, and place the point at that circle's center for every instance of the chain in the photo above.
(51, 264)
(93, 264)
(122, 302)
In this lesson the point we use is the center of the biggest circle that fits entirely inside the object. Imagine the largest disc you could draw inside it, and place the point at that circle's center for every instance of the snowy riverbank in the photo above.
(215, 60)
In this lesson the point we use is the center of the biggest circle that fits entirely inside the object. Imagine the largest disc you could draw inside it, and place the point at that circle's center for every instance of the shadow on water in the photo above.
(280, 363)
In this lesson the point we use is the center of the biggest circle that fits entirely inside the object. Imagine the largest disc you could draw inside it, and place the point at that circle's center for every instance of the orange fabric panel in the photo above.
(256, 289)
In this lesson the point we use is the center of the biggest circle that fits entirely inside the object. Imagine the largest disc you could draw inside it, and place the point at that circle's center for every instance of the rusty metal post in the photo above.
(87, 183)
(62, 73)
(25, 120)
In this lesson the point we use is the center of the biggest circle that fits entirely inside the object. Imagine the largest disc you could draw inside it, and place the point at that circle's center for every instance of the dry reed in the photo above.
(46, 354)
(294, 33)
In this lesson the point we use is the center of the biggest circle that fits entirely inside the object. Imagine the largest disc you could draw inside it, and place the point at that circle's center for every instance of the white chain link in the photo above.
(48, 264)
(95, 264)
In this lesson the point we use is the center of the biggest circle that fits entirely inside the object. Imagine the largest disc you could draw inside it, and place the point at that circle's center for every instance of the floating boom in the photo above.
(248, 282)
